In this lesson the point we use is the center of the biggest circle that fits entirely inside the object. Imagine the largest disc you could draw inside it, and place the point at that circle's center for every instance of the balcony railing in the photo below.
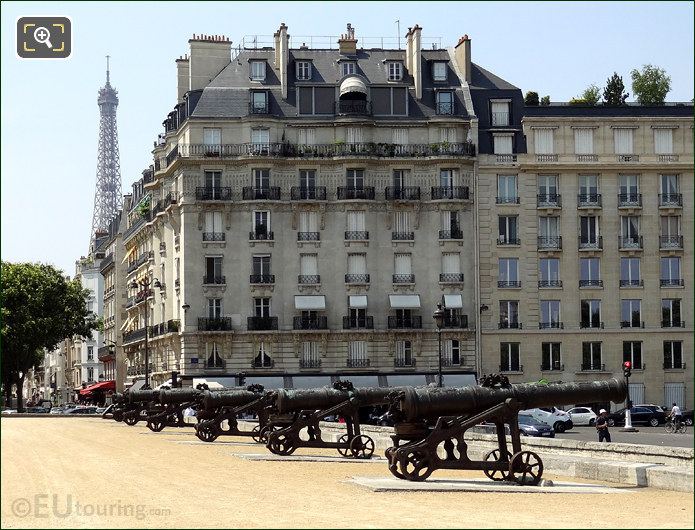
(555, 367)
(672, 324)
(317, 193)
(628, 158)
(590, 283)
(353, 107)
(213, 236)
(140, 261)
(593, 368)
(106, 262)
(671, 282)
(404, 362)
(503, 240)
(668, 158)
(551, 325)
(632, 324)
(261, 235)
(357, 363)
(629, 200)
(402, 236)
(138, 334)
(511, 367)
(214, 280)
(670, 242)
(403, 278)
(450, 234)
(510, 325)
(259, 108)
(170, 326)
(352, 235)
(505, 159)
(630, 243)
(308, 236)
(309, 363)
(265, 362)
(262, 323)
(444, 108)
(508, 284)
(507, 200)
(349, 193)
(272, 193)
(548, 200)
(357, 278)
(319, 322)
(213, 194)
(546, 158)
(261, 278)
(587, 158)
(366, 322)
(137, 225)
(631, 283)
(455, 321)
(591, 244)
(308, 279)
(549, 283)
(451, 277)
(403, 193)
(413, 322)
(450, 192)
(215, 324)
(550, 243)
(672, 200)
(589, 200)
(590, 325)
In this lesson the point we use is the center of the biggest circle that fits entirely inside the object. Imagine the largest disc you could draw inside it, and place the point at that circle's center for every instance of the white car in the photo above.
(552, 416)
(582, 416)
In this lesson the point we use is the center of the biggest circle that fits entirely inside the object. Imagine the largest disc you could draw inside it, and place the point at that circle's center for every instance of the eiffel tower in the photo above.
(107, 195)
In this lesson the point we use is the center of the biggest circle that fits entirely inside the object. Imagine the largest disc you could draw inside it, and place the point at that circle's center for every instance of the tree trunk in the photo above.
(8, 393)
(20, 384)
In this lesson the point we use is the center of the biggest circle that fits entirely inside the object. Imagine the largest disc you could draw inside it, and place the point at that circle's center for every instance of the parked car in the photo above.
(82, 410)
(552, 416)
(37, 410)
(582, 416)
(9, 411)
(652, 406)
(637, 415)
(688, 417)
(57, 410)
(530, 426)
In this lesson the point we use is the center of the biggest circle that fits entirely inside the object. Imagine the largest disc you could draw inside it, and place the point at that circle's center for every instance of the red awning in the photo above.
(104, 385)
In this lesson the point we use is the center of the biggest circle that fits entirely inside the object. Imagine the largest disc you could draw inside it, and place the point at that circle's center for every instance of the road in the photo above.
(646, 435)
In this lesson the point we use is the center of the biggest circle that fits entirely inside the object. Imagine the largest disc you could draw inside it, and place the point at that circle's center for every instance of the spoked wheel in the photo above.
(526, 468)
(393, 463)
(206, 433)
(155, 425)
(343, 445)
(118, 415)
(362, 446)
(415, 465)
(670, 428)
(130, 420)
(281, 444)
(497, 474)
(257, 434)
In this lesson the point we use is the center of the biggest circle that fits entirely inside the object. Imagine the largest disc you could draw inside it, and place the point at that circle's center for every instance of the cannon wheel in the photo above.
(362, 446)
(130, 420)
(281, 444)
(415, 465)
(343, 445)
(526, 468)
(155, 425)
(206, 433)
(118, 415)
(257, 434)
(393, 463)
(496, 474)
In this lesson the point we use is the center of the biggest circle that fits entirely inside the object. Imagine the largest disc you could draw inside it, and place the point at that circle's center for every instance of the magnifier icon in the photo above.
(42, 35)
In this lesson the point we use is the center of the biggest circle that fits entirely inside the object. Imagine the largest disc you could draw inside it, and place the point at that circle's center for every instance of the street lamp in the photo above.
(146, 292)
(439, 321)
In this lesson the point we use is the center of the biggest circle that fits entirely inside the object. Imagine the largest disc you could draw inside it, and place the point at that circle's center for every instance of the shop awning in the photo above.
(453, 301)
(137, 385)
(357, 301)
(103, 386)
(404, 301)
(353, 84)
(309, 302)
(127, 254)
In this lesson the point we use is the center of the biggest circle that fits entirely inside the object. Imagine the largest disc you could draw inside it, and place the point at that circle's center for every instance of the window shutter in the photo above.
(451, 263)
(623, 141)
(503, 145)
(663, 141)
(584, 141)
(544, 141)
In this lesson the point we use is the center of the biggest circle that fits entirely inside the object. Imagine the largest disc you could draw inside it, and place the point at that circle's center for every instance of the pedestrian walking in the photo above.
(604, 434)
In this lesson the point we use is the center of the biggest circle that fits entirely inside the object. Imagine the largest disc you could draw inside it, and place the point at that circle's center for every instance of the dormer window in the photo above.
(348, 68)
(445, 102)
(257, 70)
(303, 70)
(439, 71)
(395, 71)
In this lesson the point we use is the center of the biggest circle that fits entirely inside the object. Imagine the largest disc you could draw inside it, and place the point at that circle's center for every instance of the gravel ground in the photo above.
(113, 475)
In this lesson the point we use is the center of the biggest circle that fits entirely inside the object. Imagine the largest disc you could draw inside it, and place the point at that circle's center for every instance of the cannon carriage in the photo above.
(138, 404)
(169, 407)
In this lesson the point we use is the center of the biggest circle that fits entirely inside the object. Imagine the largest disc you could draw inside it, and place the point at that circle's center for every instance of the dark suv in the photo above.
(638, 415)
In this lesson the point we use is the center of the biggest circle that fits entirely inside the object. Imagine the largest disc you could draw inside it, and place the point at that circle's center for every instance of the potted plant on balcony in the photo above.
(434, 149)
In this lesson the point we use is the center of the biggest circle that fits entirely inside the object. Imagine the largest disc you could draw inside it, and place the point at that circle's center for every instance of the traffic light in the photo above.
(627, 368)
(242, 378)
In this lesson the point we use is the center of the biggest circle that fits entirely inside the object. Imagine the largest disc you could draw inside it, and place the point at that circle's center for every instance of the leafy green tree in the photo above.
(531, 99)
(39, 308)
(614, 93)
(545, 101)
(651, 85)
(591, 94)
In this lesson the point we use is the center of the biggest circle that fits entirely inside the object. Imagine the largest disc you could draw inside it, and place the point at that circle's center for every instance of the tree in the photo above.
(545, 101)
(531, 99)
(39, 308)
(614, 93)
(651, 85)
(591, 94)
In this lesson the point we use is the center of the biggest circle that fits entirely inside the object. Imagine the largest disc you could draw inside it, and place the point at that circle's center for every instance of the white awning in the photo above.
(404, 301)
(453, 301)
(352, 84)
(310, 302)
(357, 301)
(127, 323)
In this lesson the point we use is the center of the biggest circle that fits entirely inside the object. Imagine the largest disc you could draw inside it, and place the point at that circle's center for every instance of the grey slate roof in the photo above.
(481, 78)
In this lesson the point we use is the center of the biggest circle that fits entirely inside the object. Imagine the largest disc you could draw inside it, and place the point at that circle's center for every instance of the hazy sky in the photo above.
(50, 118)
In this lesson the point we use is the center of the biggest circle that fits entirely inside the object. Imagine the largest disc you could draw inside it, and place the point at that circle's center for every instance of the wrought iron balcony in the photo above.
(450, 234)
(589, 200)
(215, 324)
(261, 278)
(591, 244)
(549, 283)
(588, 324)
(514, 367)
(213, 194)
(404, 362)
(551, 325)
(353, 107)
(138, 334)
(449, 192)
(593, 367)
(671, 282)
(352, 235)
(629, 200)
(357, 363)
(137, 225)
(451, 277)
(508, 199)
(357, 278)
(262, 323)
(413, 322)
(508, 284)
(272, 193)
(446, 108)
(672, 324)
(142, 259)
(591, 283)
(259, 108)
(402, 193)
(308, 236)
(265, 362)
(319, 322)
(214, 280)
(309, 363)
(106, 262)
(630, 243)
(349, 193)
(403, 278)
(628, 158)
(631, 283)
(261, 235)
(549, 200)
(308, 279)
(671, 200)
(213, 236)
(455, 321)
(503, 324)
(555, 367)
(550, 243)
(670, 242)
(366, 322)
(402, 236)
(317, 193)
(170, 326)
(632, 323)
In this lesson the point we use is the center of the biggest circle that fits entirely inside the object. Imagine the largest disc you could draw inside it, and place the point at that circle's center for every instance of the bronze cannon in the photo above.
(168, 409)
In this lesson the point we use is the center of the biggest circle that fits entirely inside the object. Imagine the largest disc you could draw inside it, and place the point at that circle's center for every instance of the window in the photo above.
(213, 180)
(451, 356)
(445, 102)
(549, 272)
(550, 314)
(439, 71)
(261, 224)
(400, 180)
(549, 231)
(214, 308)
(447, 178)
(402, 265)
(212, 138)
(591, 314)
(623, 141)
(506, 189)
(550, 356)
(355, 221)
(355, 179)
(261, 307)
(403, 228)
(310, 355)
(400, 137)
(632, 351)
(508, 234)
(257, 70)
(544, 141)
(591, 356)
(547, 189)
(213, 269)
(357, 353)
(673, 355)
(509, 357)
(450, 225)
(509, 272)
(669, 185)
(509, 314)
(671, 271)
(451, 266)
(260, 141)
(347, 68)
(303, 70)
(584, 141)
(447, 135)
(212, 356)
(630, 313)
(308, 226)
(308, 268)
(90, 353)
(589, 232)
(503, 144)
(90, 373)
(629, 230)
(306, 136)
(262, 359)
(354, 135)
(307, 179)
(259, 102)
(395, 71)
(357, 264)
(588, 190)
(663, 141)
(630, 272)
(357, 317)
(261, 179)
(404, 353)
(213, 227)
(670, 231)
(500, 113)
(260, 267)
(671, 313)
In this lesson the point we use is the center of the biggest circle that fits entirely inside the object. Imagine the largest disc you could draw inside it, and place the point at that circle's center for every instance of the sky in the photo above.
(50, 119)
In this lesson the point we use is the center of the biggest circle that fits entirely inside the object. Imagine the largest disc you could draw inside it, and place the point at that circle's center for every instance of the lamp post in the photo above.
(439, 321)
(144, 284)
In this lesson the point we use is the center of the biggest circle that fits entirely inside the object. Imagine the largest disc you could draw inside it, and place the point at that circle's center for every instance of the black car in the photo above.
(532, 427)
(688, 417)
(638, 415)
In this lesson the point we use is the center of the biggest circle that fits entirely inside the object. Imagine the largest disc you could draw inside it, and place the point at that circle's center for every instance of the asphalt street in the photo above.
(646, 435)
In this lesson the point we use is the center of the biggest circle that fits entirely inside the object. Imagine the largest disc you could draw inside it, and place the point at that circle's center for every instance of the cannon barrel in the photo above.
(323, 398)
(138, 396)
(419, 403)
(229, 398)
(176, 397)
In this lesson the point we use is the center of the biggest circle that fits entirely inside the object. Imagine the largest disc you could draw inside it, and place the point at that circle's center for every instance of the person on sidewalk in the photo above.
(604, 434)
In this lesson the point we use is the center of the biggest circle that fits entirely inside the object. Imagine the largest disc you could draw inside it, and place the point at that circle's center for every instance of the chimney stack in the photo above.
(284, 55)
(208, 56)
(347, 44)
(462, 55)
(413, 52)
(183, 74)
